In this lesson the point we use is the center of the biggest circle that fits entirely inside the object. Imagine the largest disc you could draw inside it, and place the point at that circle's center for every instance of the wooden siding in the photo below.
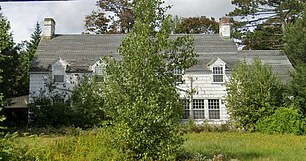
(206, 89)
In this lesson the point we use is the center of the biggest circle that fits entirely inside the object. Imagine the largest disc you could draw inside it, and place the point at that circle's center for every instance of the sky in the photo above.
(70, 15)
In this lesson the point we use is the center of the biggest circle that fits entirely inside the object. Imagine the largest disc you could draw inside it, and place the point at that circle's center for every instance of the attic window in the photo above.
(58, 78)
(98, 70)
(98, 74)
(217, 74)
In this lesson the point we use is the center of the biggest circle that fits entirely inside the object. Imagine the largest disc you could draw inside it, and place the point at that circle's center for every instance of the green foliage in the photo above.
(87, 103)
(14, 63)
(196, 25)
(111, 17)
(139, 91)
(269, 18)
(93, 144)
(244, 146)
(284, 120)
(26, 56)
(44, 113)
(295, 38)
(264, 37)
(9, 62)
(253, 93)
(83, 109)
(297, 88)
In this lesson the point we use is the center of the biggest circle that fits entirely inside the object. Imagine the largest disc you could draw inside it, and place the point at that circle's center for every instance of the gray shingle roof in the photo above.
(81, 51)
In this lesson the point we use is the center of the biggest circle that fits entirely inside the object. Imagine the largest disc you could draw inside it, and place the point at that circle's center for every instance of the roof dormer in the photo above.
(217, 67)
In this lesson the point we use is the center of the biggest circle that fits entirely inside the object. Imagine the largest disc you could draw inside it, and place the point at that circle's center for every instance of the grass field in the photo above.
(95, 145)
(248, 146)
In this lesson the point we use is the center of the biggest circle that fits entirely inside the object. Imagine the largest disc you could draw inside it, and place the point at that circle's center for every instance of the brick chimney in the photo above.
(49, 28)
(225, 27)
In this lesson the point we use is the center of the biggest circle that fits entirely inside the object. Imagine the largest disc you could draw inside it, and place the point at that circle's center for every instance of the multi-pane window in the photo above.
(99, 74)
(98, 70)
(58, 99)
(198, 108)
(217, 74)
(213, 109)
(58, 78)
(177, 71)
(185, 103)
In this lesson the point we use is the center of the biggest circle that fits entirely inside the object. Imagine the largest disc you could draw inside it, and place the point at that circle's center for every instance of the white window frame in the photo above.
(98, 71)
(177, 71)
(59, 78)
(213, 108)
(217, 71)
(185, 103)
(198, 106)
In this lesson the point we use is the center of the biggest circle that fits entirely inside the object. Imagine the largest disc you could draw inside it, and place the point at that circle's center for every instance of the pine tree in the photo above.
(295, 39)
(263, 22)
(26, 57)
(10, 62)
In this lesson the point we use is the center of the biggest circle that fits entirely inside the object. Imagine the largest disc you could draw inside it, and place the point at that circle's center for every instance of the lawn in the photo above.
(95, 145)
(248, 146)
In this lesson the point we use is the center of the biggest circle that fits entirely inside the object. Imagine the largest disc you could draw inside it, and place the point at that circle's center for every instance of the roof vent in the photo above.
(49, 28)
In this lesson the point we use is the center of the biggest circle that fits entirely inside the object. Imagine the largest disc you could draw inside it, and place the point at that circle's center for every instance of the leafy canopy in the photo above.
(139, 90)
(112, 16)
(253, 92)
(196, 25)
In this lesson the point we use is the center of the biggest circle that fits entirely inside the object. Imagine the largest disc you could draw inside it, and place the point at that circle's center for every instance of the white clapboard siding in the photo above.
(37, 84)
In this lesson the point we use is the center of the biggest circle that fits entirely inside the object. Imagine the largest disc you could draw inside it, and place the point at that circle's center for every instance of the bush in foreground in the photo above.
(284, 120)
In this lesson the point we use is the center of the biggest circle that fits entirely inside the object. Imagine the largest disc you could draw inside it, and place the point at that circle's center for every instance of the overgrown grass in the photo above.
(79, 145)
(247, 146)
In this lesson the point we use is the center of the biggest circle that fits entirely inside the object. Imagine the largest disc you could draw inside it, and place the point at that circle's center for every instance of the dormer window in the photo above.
(58, 78)
(217, 74)
(98, 70)
(98, 74)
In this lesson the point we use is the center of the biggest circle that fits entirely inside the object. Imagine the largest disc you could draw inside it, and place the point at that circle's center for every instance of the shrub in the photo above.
(82, 109)
(284, 120)
(253, 93)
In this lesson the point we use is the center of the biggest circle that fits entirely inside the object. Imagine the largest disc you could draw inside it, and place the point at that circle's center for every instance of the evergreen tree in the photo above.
(297, 88)
(295, 39)
(10, 62)
(269, 18)
(139, 91)
(26, 57)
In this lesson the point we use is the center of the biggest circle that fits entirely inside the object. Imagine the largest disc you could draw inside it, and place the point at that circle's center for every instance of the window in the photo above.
(185, 103)
(98, 74)
(198, 108)
(217, 74)
(58, 78)
(177, 71)
(213, 109)
(98, 70)
(58, 99)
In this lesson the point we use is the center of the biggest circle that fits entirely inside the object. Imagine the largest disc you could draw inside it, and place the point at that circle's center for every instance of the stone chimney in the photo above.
(49, 28)
(225, 27)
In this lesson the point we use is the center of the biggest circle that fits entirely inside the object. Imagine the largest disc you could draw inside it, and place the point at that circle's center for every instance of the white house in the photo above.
(64, 59)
